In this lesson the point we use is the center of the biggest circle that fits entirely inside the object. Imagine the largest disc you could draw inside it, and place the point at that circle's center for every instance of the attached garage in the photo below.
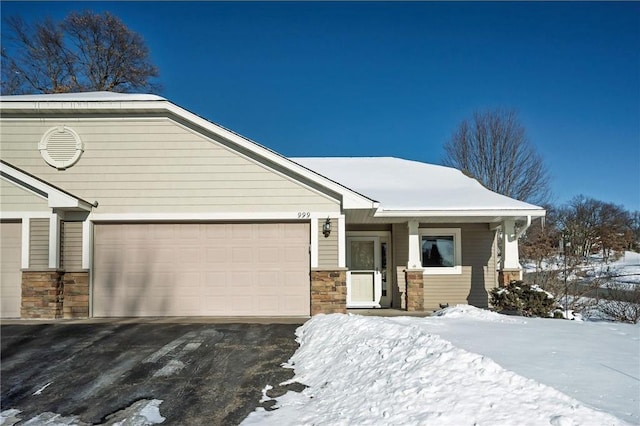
(10, 275)
(201, 269)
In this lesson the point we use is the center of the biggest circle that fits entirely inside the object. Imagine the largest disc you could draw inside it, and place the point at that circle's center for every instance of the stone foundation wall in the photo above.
(42, 294)
(328, 291)
(55, 294)
(76, 295)
(505, 276)
(415, 290)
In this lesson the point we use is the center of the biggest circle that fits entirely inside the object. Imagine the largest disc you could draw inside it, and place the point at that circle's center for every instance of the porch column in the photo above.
(314, 242)
(26, 242)
(54, 241)
(87, 243)
(510, 268)
(342, 242)
(414, 246)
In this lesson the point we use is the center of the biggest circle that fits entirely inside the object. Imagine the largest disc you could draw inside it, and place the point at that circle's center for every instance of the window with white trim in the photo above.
(440, 250)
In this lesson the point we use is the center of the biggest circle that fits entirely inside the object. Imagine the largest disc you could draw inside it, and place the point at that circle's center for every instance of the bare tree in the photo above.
(622, 303)
(84, 52)
(540, 244)
(493, 148)
(594, 226)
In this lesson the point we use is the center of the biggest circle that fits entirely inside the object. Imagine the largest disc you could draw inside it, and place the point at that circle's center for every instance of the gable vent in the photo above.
(61, 147)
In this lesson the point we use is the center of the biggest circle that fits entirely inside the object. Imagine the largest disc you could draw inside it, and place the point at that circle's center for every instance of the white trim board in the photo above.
(227, 216)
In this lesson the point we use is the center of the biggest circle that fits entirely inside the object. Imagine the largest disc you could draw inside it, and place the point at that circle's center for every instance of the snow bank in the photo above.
(471, 312)
(372, 370)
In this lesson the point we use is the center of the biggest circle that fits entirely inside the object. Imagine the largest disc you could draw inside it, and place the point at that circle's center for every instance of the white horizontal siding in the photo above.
(153, 166)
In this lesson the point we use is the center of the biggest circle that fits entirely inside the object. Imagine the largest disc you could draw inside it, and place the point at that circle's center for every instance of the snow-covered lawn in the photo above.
(624, 270)
(465, 367)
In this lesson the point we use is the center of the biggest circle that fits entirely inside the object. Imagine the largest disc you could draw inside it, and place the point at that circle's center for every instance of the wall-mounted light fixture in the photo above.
(326, 228)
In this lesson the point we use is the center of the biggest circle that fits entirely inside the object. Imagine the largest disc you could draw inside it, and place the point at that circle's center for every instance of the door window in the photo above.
(362, 255)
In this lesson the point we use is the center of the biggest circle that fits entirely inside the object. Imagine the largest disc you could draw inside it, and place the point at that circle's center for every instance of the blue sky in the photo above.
(396, 78)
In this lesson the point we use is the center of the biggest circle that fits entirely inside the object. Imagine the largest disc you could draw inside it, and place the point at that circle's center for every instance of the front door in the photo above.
(365, 276)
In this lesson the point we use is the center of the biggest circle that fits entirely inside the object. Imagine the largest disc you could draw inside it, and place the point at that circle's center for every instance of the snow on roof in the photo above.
(400, 184)
(83, 97)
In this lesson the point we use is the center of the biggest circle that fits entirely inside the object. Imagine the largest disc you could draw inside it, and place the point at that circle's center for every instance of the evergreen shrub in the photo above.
(528, 300)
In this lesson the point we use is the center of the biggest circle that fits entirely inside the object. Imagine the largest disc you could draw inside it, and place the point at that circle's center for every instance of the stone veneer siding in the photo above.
(55, 294)
(415, 290)
(76, 294)
(42, 294)
(328, 291)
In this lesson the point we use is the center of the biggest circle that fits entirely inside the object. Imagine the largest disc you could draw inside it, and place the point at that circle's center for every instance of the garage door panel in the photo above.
(201, 269)
(161, 233)
(290, 279)
(295, 304)
(268, 255)
(241, 256)
(294, 255)
(216, 255)
(215, 232)
(215, 303)
(269, 303)
(243, 303)
(215, 278)
(270, 233)
(242, 232)
(163, 256)
(192, 233)
(268, 280)
(10, 269)
(192, 261)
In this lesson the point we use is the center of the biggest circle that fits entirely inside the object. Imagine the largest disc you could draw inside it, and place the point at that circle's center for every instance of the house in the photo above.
(126, 205)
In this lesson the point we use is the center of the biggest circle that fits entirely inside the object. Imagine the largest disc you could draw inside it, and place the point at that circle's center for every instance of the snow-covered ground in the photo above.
(466, 366)
(463, 366)
(624, 270)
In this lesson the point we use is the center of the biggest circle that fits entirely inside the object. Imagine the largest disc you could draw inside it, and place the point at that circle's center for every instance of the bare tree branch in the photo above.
(493, 148)
(84, 52)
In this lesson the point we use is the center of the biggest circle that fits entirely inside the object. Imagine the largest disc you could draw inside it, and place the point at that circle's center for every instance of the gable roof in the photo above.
(409, 187)
(56, 197)
(122, 103)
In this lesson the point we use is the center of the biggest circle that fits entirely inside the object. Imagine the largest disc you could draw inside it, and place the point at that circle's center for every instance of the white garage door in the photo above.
(10, 275)
(201, 270)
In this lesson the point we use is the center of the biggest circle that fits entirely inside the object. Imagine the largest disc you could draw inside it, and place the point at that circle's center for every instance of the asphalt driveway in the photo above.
(204, 374)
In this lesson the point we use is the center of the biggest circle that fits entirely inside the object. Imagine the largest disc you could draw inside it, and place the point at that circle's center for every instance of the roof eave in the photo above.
(497, 214)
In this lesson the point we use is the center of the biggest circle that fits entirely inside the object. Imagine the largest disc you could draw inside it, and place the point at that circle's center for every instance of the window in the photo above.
(440, 250)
